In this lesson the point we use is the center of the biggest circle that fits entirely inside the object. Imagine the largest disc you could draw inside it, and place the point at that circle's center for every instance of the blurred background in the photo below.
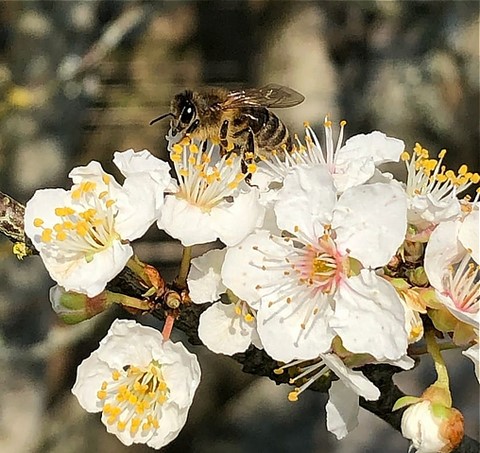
(82, 79)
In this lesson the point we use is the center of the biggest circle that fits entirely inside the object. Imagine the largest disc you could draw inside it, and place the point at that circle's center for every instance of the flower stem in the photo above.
(127, 301)
(181, 280)
(167, 327)
(442, 383)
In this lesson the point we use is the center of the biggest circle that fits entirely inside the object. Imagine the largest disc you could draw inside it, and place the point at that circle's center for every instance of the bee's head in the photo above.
(184, 113)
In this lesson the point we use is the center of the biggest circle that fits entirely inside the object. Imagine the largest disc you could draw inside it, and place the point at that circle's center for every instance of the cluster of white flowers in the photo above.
(327, 263)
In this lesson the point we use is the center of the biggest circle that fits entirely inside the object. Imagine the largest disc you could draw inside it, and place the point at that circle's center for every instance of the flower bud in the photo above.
(417, 276)
(73, 307)
(432, 427)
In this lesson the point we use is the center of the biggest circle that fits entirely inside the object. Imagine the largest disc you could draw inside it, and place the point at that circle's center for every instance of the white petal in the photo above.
(369, 317)
(223, 331)
(132, 163)
(94, 172)
(353, 173)
(283, 337)
(473, 354)
(306, 200)
(370, 222)
(89, 278)
(356, 381)
(42, 205)
(468, 234)
(233, 222)
(242, 270)
(204, 279)
(405, 362)
(424, 210)
(375, 146)
(90, 375)
(186, 222)
(342, 410)
(443, 249)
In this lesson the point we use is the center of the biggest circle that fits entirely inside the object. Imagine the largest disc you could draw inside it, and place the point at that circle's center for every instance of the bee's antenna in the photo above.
(161, 118)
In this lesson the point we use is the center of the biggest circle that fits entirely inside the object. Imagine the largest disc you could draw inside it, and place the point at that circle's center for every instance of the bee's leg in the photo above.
(223, 138)
(248, 156)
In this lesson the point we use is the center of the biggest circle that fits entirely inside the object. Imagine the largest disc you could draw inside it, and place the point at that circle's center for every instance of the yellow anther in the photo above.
(248, 317)
(441, 178)
(184, 141)
(192, 160)
(82, 228)
(238, 310)
(442, 153)
(121, 426)
(229, 147)
(162, 398)
(475, 178)
(46, 235)
(109, 203)
(176, 157)
(343, 123)
(463, 170)
(76, 194)
(194, 148)
(135, 424)
(111, 419)
(405, 156)
(232, 185)
(177, 148)
(132, 399)
(106, 179)
(162, 385)
(327, 123)
(278, 371)
(103, 194)
(38, 222)
(89, 186)
(61, 236)
(101, 394)
(306, 124)
(58, 227)
(293, 396)
(252, 168)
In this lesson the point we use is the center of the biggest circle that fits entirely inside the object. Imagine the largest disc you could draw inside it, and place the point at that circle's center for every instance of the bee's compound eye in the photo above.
(187, 114)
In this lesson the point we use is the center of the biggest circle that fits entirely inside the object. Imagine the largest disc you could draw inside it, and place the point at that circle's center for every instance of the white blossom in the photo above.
(83, 234)
(309, 286)
(208, 202)
(143, 385)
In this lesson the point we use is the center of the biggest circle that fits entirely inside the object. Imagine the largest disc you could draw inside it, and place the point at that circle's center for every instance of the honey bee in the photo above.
(239, 121)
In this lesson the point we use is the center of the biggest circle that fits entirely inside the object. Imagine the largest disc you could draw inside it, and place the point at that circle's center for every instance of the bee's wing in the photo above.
(272, 95)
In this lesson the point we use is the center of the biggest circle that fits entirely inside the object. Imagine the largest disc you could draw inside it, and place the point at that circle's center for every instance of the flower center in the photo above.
(321, 265)
(133, 396)
(88, 229)
(463, 285)
(202, 183)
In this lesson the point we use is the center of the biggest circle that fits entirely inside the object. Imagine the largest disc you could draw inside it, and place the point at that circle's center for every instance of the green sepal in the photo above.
(405, 401)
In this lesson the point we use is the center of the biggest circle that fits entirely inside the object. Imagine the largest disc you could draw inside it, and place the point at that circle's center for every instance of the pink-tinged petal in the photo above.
(468, 234)
(354, 380)
(342, 410)
(242, 270)
(443, 249)
(473, 353)
(223, 331)
(233, 222)
(204, 279)
(76, 274)
(306, 200)
(286, 335)
(471, 318)
(369, 317)
(370, 222)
